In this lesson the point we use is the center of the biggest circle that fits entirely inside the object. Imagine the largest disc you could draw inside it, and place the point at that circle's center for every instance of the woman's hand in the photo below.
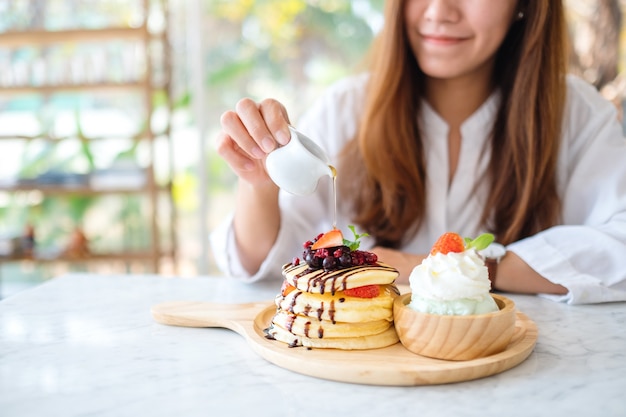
(515, 275)
(402, 261)
(249, 133)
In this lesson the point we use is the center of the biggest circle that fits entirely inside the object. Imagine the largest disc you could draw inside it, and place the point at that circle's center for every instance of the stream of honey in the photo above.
(334, 175)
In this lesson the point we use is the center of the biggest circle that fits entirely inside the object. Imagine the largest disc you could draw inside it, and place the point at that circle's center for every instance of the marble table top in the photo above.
(86, 345)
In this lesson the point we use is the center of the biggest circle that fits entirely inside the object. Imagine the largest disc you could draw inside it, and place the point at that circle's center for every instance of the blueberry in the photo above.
(345, 260)
(312, 260)
(329, 263)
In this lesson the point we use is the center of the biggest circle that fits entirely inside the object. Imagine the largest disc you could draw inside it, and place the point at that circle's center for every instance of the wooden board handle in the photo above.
(202, 314)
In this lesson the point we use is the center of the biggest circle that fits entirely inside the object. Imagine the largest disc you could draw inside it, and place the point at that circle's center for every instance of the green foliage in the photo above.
(479, 243)
(279, 38)
(356, 242)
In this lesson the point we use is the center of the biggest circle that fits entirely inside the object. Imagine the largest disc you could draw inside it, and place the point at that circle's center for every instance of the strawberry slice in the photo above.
(286, 288)
(448, 242)
(366, 291)
(329, 240)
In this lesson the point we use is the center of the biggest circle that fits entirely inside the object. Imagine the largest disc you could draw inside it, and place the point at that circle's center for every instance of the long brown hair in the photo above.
(387, 181)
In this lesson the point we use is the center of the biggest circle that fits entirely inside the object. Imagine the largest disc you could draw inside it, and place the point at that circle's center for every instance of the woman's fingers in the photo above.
(230, 151)
(246, 168)
(252, 118)
(249, 133)
(234, 128)
(276, 120)
(257, 128)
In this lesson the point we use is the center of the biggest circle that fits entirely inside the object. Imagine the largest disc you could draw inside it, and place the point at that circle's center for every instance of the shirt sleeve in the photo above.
(292, 227)
(587, 252)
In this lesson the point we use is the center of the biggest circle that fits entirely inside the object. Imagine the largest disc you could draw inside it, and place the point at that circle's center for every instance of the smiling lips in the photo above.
(442, 40)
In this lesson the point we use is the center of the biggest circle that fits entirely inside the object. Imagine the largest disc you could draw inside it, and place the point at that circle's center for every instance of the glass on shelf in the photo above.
(19, 15)
(131, 177)
(91, 63)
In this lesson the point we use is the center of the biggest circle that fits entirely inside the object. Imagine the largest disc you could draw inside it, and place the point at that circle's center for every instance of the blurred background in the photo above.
(109, 108)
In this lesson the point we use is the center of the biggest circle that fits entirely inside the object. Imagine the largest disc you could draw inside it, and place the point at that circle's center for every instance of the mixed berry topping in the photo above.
(331, 252)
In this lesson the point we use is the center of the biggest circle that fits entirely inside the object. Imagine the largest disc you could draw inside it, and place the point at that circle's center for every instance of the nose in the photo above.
(441, 11)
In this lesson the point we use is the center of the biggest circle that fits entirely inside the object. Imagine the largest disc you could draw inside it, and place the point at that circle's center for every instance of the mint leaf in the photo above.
(354, 244)
(480, 243)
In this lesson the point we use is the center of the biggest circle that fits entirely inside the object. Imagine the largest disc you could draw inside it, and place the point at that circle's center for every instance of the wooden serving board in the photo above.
(393, 365)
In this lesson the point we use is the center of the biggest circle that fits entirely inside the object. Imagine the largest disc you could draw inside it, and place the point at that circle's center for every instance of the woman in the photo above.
(465, 122)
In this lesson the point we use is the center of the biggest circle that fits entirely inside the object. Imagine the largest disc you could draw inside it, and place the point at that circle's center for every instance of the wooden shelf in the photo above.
(82, 190)
(67, 190)
(15, 39)
(94, 257)
(75, 88)
(144, 84)
(46, 137)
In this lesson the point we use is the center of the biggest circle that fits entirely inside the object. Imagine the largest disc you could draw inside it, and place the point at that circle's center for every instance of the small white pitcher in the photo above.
(298, 166)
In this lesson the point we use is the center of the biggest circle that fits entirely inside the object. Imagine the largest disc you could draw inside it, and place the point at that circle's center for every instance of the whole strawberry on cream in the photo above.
(453, 279)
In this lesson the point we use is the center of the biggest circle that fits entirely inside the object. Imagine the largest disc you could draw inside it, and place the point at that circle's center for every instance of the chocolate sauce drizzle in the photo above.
(323, 279)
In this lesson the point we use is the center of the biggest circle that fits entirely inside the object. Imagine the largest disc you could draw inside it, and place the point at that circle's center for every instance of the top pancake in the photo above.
(319, 281)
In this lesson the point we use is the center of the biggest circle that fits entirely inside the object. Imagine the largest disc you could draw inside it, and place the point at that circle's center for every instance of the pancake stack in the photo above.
(348, 305)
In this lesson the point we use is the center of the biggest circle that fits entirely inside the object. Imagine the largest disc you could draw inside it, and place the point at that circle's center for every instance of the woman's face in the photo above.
(457, 38)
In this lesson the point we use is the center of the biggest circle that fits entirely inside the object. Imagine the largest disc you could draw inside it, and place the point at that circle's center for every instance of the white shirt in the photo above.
(586, 253)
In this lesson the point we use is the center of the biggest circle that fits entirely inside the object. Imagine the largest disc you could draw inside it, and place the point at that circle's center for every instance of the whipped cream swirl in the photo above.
(454, 283)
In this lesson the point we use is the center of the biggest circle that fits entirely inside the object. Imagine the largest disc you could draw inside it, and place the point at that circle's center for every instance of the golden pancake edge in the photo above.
(320, 281)
(338, 307)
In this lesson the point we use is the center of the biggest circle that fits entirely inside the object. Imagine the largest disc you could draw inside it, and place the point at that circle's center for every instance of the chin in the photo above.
(441, 73)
